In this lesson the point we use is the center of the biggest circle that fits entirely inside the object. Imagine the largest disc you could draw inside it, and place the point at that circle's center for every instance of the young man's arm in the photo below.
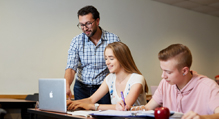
(193, 115)
(151, 105)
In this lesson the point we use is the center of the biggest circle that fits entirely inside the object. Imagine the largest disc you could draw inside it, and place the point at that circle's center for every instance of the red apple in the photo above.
(162, 113)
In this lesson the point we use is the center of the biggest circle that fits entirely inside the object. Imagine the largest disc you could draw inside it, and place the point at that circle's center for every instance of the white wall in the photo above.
(35, 36)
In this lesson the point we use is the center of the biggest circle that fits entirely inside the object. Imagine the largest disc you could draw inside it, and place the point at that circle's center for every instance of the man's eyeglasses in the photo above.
(88, 25)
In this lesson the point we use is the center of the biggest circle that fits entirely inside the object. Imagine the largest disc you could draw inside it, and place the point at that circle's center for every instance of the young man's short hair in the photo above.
(178, 51)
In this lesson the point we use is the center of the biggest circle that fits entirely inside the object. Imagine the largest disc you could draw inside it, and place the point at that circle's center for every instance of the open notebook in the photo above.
(114, 113)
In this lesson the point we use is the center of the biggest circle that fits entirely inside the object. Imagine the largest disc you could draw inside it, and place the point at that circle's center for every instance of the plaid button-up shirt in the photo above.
(87, 59)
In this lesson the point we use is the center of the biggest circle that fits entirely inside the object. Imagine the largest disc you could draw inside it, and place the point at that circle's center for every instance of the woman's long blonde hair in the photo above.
(123, 55)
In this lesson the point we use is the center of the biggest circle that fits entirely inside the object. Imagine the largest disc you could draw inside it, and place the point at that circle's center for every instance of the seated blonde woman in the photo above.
(124, 76)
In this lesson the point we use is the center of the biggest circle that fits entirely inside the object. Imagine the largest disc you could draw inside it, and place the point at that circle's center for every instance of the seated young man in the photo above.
(183, 90)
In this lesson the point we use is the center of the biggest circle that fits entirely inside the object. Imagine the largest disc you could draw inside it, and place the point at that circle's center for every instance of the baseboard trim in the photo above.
(14, 96)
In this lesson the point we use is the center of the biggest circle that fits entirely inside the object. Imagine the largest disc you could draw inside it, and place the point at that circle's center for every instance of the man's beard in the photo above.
(92, 33)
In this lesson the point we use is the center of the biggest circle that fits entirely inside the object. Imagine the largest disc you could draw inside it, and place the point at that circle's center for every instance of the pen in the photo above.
(123, 98)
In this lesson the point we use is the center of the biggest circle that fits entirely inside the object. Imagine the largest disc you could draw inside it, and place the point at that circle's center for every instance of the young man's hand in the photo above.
(192, 115)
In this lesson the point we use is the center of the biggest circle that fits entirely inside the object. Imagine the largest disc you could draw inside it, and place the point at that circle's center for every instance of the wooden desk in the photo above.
(53, 115)
(57, 115)
(16, 108)
(16, 103)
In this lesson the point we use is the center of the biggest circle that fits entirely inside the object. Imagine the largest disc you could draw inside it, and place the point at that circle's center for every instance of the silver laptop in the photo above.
(52, 94)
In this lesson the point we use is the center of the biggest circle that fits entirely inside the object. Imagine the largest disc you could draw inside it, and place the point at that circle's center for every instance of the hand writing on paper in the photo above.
(121, 107)
(192, 115)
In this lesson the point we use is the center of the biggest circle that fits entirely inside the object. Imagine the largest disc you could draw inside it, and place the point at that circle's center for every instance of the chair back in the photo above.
(2, 113)
(34, 97)
(153, 89)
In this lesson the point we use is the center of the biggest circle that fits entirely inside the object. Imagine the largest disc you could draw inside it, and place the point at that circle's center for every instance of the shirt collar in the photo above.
(103, 36)
(191, 84)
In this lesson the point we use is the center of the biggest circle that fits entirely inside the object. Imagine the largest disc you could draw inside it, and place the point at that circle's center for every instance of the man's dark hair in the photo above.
(89, 9)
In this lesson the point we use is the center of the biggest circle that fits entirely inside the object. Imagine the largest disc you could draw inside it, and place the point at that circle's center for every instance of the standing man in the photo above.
(86, 58)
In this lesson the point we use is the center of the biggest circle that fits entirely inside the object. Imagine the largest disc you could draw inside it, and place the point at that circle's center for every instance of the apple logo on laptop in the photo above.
(51, 94)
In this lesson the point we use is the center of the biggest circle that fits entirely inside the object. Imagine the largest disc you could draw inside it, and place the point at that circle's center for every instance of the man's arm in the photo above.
(69, 76)
(151, 105)
(193, 115)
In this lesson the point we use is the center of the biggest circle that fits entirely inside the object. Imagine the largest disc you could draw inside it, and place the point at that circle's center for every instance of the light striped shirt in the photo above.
(87, 59)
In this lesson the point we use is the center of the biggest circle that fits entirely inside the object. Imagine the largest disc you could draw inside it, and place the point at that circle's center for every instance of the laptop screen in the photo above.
(52, 94)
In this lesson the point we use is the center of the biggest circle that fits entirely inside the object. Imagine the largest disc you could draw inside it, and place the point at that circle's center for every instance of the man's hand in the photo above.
(139, 108)
(192, 115)
(69, 76)
(68, 92)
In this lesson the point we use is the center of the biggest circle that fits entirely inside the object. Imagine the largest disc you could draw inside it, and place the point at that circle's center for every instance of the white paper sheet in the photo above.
(124, 113)
(81, 113)
(149, 113)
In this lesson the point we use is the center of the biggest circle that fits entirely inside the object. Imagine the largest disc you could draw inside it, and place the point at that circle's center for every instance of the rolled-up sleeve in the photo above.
(73, 55)
(157, 97)
(213, 101)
